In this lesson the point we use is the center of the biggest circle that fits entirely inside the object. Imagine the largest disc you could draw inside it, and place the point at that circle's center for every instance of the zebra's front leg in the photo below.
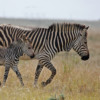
(7, 68)
(50, 66)
(37, 73)
(15, 69)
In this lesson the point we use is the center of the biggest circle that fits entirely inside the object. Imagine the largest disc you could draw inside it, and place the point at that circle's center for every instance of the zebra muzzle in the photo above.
(85, 57)
(32, 56)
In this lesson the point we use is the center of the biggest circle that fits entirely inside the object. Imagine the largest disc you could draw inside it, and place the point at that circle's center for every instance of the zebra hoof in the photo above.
(22, 85)
(0, 83)
(43, 84)
(35, 86)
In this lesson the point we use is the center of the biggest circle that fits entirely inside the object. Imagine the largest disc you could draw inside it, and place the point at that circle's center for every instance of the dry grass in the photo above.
(75, 79)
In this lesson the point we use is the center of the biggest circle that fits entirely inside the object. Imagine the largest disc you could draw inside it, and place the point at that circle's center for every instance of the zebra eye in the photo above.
(29, 47)
(80, 34)
(85, 42)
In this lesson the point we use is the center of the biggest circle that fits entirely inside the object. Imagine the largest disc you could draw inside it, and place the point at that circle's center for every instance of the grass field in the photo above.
(75, 79)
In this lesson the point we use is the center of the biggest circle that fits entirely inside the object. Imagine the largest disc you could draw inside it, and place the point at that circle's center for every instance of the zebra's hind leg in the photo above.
(37, 73)
(15, 69)
(50, 66)
(7, 68)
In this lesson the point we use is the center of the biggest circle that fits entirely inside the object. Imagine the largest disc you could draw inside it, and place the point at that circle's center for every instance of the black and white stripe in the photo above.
(46, 43)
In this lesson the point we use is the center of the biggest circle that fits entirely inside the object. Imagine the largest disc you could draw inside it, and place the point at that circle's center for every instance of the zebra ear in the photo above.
(84, 32)
(87, 27)
(51, 27)
(24, 37)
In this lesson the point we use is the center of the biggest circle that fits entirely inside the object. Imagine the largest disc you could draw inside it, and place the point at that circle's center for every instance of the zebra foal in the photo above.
(10, 56)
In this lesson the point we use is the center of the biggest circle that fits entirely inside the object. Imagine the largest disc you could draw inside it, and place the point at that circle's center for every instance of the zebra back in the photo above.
(9, 33)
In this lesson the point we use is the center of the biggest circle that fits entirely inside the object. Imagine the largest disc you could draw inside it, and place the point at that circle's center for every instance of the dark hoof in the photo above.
(35, 86)
(43, 84)
(0, 83)
(22, 85)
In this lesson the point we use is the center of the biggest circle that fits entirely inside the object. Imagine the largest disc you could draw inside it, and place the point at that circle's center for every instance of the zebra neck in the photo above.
(18, 52)
(64, 42)
(70, 45)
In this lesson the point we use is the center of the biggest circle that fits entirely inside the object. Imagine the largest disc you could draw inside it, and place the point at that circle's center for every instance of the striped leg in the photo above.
(37, 73)
(49, 65)
(15, 69)
(7, 68)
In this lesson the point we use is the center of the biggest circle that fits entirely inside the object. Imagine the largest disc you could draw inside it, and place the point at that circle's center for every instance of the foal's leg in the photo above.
(15, 69)
(7, 68)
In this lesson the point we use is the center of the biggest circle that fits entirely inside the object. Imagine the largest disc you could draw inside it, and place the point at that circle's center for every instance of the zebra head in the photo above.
(80, 45)
(26, 46)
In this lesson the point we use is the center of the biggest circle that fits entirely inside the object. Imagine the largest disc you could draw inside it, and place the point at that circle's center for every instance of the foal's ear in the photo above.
(24, 37)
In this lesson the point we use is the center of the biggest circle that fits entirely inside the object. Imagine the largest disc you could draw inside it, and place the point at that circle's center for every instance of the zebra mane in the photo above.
(12, 45)
(14, 26)
(66, 24)
(15, 43)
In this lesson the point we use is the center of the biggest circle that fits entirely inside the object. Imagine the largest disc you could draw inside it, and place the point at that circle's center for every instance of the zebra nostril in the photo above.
(85, 57)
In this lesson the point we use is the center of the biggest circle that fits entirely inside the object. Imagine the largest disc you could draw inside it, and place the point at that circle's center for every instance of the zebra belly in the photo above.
(25, 57)
(2, 62)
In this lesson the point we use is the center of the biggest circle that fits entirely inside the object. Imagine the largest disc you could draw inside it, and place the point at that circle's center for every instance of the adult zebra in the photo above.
(47, 43)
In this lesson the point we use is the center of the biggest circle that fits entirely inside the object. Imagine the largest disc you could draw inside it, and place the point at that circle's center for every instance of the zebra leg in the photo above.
(7, 68)
(49, 65)
(15, 69)
(37, 73)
